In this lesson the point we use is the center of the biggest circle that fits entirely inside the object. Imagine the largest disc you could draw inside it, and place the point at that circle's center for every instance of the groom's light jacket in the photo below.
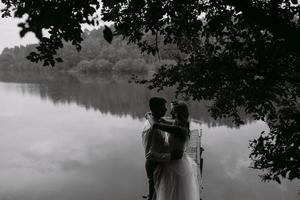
(155, 144)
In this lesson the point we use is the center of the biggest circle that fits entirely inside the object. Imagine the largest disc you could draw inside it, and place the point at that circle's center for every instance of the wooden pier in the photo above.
(195, 150)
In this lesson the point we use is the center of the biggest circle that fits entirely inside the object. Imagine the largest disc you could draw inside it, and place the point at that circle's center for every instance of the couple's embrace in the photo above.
(172, 175)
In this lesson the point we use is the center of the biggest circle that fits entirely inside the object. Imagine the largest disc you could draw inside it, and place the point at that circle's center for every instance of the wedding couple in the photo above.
(172, 175)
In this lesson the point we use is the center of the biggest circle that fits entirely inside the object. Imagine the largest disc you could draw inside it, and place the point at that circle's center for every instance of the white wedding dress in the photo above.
(177, 179)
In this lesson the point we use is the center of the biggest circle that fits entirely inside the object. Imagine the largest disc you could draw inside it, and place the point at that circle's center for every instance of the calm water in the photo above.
(66, 137)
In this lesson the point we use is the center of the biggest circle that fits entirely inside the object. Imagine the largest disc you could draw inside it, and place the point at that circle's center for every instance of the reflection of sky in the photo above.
(226, 166)
(63, 151)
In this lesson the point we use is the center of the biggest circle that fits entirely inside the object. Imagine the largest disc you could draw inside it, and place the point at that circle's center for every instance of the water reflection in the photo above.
(227, 174)
(107, 94)
(65, 152)
(52, 148)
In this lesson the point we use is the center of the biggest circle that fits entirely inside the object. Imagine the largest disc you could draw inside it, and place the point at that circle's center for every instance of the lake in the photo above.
(75, 137)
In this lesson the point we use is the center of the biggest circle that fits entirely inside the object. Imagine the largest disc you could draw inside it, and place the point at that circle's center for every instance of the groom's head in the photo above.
(158, 106)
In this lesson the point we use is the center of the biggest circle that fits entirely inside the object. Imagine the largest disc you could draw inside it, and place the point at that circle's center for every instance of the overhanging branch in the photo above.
(270, 21)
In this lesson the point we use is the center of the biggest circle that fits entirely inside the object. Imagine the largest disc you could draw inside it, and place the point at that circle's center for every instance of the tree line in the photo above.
(96, 56)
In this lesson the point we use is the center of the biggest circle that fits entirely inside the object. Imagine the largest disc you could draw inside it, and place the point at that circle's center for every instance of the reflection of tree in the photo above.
(105, 94)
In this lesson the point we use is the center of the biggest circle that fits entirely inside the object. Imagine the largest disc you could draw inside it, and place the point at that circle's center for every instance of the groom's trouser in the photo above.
(150, 168)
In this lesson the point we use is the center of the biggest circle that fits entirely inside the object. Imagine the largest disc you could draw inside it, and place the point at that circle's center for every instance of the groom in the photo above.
(154, 142)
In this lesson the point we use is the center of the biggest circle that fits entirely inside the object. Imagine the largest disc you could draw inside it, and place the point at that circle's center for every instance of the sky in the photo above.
(9, 34)
(10, 37)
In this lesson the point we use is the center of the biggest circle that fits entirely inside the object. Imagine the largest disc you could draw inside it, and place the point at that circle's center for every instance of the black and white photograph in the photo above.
(149, 100)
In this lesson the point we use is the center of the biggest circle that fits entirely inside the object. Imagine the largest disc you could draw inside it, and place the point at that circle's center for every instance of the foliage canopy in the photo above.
(242, 55)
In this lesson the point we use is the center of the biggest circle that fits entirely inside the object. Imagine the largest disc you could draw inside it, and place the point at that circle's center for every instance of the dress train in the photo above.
(177, 180)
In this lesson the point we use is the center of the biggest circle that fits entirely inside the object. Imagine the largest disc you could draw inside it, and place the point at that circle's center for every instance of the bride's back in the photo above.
(178, 141)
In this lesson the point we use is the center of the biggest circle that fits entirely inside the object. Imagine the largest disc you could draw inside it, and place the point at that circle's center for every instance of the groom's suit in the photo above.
(156, 151)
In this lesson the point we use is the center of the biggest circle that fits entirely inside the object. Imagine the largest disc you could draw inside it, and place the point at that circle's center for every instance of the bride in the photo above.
(177, 179)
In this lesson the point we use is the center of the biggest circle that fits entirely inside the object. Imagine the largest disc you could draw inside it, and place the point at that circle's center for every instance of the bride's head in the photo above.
(181, 114)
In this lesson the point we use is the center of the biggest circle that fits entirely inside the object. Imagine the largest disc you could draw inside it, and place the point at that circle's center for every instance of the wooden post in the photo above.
(200, 161)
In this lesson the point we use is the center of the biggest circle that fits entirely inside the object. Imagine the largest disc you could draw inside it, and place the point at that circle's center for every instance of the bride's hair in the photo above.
(182, 112)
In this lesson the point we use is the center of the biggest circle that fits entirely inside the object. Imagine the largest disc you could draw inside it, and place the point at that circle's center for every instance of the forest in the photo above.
(96, 56)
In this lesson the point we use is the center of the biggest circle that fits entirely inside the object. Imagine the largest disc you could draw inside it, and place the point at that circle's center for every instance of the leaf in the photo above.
(107, 33)
(277, 179)
(78, 48)
(23, 32)
(294, 1)
(59, 59)
(52, 63)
